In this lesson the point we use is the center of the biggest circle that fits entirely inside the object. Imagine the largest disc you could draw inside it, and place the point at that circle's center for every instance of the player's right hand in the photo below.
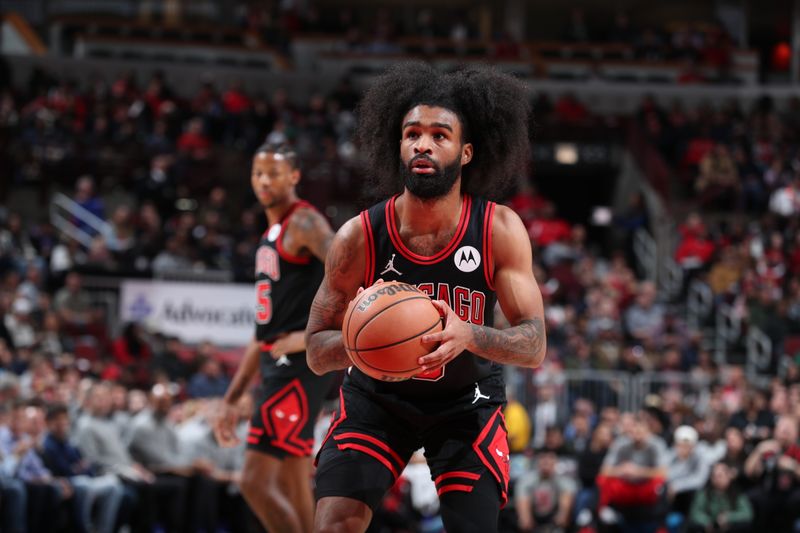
(225, 421)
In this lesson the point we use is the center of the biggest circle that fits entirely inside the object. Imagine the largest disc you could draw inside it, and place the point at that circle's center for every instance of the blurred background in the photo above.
(662, 201)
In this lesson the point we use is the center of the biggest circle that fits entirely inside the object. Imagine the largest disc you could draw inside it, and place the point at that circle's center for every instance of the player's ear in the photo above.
(466, 153)
(295, 176)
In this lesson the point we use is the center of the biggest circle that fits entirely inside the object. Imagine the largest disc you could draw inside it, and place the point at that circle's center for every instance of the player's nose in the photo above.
(423, 145)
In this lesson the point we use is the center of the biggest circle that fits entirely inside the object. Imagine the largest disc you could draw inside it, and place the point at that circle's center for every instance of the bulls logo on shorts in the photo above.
(284, 415)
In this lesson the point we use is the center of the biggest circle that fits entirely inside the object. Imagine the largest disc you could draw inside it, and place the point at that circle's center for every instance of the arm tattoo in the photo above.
(518, 345)
(324, 347)
(313, 231)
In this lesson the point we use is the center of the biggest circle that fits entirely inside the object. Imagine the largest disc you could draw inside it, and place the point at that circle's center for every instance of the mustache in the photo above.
(422, 157)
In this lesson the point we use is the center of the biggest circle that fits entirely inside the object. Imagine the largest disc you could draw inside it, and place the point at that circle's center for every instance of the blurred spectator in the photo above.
(154, 443)
(631, 481)
(754, 420)
(98, 437)
(43, 492)
(65, 461)
(644, 320)
(194, 142)
(695, 249)
(718, 184)
(785, 201)
(590, 462)
(172, 258)
(209, 381)
(543, 497)
(546, 414)
(19, 324)
(86, 197)
(133, 355)
(74, 305)
(773, 467)
(720, 507)
(687, 469)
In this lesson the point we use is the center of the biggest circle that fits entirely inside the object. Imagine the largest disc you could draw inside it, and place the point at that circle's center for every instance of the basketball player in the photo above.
(289, 267)
(438, 142)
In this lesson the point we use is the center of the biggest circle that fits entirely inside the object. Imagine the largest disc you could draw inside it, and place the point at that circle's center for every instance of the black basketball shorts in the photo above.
(283, 422)
(371, 439)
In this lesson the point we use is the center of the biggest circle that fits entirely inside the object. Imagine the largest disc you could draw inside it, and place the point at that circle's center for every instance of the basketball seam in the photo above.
(395, 343)
(376, 315)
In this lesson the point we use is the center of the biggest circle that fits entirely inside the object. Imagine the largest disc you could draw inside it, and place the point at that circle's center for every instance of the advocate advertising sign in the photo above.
(194, 312)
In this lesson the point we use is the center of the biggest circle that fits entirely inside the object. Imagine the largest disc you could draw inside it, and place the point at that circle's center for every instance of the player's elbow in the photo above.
(312, 360)
(314, 366)
(537, 356)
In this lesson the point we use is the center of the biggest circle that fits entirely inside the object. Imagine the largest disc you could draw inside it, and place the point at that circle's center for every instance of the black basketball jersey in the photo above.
(285, 287)
(460, 274)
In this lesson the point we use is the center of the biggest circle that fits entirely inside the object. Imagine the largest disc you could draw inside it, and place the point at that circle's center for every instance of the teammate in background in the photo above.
(276, 478)
(436, 143)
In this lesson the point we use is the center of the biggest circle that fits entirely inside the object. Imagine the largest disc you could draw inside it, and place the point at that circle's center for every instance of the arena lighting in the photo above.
(566, 153)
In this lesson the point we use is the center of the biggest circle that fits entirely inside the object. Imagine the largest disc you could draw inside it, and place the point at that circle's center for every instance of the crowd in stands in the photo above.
(121, 416)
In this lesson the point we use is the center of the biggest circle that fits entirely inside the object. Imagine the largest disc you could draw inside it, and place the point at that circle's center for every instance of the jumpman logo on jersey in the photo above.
(390, 267)
(283, 361)
(478, 394)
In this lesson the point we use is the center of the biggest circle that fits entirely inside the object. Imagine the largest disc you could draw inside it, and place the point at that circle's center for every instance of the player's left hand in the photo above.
(453, 339)
(291, 343)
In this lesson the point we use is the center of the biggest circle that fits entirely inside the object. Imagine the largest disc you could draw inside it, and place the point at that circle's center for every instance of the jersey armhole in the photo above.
(488, 256)
(369, 250)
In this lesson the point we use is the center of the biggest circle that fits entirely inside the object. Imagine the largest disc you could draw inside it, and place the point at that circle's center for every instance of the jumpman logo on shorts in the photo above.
(283, 361)
(478, 394)
(390, 267)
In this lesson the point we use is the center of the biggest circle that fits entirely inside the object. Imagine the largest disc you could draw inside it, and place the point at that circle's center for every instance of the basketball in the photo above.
(383, 329)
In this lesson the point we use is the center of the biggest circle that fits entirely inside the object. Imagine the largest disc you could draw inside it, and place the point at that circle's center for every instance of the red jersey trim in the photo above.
(488, 256)
(369, 249)
(394, 235)
(286, 256)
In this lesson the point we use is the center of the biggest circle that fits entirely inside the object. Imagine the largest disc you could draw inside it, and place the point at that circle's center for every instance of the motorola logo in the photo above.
(467, 259)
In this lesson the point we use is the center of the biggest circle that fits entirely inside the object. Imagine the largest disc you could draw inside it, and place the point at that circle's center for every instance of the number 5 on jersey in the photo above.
(263, 301)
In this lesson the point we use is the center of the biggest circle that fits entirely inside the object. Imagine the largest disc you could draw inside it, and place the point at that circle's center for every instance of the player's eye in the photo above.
(412, 135)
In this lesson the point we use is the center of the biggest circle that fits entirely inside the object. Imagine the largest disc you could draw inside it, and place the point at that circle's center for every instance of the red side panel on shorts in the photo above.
(492, 449)
(372, 446)
(284, 414)
(334, 422)
(456, 480)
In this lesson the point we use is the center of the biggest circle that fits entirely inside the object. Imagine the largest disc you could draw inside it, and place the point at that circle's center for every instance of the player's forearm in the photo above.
(244, 374)
(522, 345)
(325, 352)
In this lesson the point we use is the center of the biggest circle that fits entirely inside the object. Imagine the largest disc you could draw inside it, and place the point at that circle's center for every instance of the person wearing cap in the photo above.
(687, 469)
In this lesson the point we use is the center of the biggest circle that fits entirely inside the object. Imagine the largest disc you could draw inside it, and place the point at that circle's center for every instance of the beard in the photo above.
(429, 186)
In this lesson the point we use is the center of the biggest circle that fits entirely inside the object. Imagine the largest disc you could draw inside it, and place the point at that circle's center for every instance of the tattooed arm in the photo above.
(524, 342)
(309, 230)
(344, 274)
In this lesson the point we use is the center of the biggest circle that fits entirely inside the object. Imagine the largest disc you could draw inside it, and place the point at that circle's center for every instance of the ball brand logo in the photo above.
(467, 259)
(390, 290)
